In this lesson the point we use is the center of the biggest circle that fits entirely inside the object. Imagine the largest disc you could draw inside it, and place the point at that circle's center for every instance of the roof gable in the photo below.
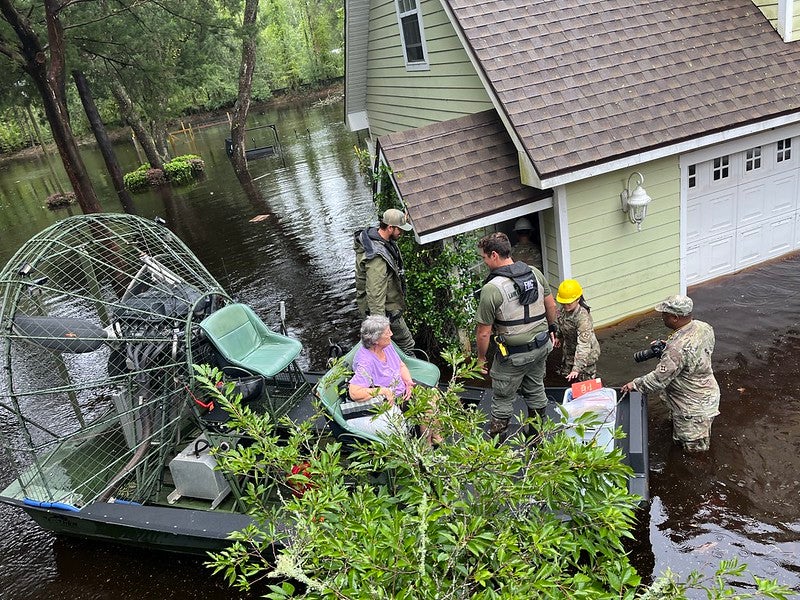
(456, 171)
(591, 82)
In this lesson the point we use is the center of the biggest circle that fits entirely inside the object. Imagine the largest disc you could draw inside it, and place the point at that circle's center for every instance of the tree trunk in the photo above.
(242, 107)
(139, 130)
(48, 77)
(103, 142)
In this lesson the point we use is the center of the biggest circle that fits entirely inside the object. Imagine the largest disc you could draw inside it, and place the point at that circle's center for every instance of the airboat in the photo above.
(102, 321)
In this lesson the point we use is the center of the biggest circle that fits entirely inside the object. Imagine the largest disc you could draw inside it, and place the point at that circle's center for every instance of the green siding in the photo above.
(769, 9)
(624, 271)
(398, 99)
(795, 20)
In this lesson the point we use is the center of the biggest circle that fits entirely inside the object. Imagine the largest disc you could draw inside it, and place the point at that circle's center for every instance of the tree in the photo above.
(242, 106)
(45, 64)
(106, 149)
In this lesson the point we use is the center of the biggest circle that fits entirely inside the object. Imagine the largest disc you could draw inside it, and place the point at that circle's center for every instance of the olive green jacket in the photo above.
(380, 283)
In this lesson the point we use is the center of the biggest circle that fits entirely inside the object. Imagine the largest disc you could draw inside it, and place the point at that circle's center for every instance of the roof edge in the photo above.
(669, 150)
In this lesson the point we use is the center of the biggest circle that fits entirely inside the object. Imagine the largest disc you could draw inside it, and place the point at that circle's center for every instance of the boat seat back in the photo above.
(243, 340)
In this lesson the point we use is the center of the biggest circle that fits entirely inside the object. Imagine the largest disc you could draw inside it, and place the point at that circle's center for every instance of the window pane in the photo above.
(407, 5)
(412, 38)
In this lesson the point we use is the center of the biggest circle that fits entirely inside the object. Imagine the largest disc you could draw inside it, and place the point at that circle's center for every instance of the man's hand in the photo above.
(572, 375)
(628, 387)
(482, 366)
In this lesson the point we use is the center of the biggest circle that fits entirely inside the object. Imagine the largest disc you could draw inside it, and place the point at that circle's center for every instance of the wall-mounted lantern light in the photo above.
(635, 202)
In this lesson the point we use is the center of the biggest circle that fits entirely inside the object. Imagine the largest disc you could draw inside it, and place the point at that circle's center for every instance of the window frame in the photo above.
(423, 64)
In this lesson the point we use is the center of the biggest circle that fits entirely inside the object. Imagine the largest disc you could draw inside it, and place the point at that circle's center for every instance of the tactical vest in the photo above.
(513, 318)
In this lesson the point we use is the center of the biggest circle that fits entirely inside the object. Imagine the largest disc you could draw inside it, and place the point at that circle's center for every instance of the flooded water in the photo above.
(739, 500)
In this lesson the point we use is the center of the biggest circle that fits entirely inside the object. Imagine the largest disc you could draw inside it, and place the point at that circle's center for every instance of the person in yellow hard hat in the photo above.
(576, 333)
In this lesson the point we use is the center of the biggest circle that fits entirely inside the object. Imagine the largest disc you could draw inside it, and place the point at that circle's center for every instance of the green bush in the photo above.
(179, 171)
(182, 169)
(474, 518)
(136, 181)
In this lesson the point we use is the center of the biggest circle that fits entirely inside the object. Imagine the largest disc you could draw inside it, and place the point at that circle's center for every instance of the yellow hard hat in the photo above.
(569, 291)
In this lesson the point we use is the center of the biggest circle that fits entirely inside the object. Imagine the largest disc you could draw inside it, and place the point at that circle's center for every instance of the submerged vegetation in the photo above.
(179, 171)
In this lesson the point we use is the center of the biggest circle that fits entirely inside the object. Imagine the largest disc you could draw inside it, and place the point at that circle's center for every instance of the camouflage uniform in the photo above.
(528, 253)
(580, 345)
(691, 392)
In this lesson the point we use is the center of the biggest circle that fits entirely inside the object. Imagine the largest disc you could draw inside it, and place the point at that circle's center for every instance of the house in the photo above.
(489, 110)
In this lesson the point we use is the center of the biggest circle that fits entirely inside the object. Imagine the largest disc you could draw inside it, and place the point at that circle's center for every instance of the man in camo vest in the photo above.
(684, 374)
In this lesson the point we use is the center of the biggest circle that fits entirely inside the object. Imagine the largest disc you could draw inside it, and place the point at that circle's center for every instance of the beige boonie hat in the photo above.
(677, 305)
(396, 218)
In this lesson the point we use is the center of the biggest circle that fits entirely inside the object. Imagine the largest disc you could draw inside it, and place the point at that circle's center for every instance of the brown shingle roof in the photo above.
(587, 82)
(456, 171)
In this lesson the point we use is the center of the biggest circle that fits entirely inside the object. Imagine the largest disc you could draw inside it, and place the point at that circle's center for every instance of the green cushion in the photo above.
(243, 340)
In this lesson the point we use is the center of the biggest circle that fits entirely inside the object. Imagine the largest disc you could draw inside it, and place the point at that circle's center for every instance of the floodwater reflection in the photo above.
(739, 500)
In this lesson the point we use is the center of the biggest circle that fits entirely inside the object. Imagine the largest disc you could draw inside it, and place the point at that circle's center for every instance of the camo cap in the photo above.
(677, 305)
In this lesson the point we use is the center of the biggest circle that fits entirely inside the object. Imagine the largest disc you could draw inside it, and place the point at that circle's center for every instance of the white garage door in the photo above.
(742, 209)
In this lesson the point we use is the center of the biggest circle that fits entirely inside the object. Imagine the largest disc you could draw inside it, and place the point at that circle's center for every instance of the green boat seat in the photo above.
(332, 390)
(243, 340)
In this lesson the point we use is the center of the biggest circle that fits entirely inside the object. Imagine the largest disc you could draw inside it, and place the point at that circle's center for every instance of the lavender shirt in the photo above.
(369, 371)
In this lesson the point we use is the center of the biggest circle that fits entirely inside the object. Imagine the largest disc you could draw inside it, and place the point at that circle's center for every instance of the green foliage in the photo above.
(440, 281)
(183, 169)
(543, 517)
(179, 58)
(472, 518)
(136, 181)
(668, 587)
(12, 134)
(180, 170)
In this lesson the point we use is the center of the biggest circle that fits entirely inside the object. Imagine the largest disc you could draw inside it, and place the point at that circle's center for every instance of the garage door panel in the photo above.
(718, 255)
(782, 194)
(751, 203)
(749, 245)
(797, 230)
(719, 213)
(694, 223)
(693, 264)
(780, 236)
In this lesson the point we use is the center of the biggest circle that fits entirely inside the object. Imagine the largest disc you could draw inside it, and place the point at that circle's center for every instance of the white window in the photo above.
(784, 149)
(409, 17)
(752, 159)
(721, 169)
(692, 176)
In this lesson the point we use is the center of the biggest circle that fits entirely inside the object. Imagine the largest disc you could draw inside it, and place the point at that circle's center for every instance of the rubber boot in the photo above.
(499, 427)
(530, 431)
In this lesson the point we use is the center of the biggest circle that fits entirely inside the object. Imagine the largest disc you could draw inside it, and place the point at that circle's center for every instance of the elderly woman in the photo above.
(378, 371)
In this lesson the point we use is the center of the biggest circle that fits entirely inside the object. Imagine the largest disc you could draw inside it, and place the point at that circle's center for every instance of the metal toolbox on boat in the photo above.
(194, 476)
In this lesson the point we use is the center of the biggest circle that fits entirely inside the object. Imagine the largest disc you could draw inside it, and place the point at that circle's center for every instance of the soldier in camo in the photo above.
(684, 374)
(576, 333)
